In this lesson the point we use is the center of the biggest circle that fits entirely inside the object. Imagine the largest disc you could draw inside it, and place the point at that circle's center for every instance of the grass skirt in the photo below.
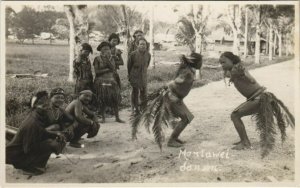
(107, 92)
(271, 109)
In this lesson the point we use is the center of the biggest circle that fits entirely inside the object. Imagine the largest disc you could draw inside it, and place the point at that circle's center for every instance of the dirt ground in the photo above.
(112, 157)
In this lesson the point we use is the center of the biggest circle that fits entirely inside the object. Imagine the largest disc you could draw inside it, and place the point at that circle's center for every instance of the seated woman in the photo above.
(85, 120)
(32, 146)
(59, 119)
(106, 86)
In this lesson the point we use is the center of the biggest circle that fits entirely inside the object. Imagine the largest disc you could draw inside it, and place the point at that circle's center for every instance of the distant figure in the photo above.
(108, 92)
(138, 63)
(263, 105)
(32, 146)
(83, 70)
(85, 120)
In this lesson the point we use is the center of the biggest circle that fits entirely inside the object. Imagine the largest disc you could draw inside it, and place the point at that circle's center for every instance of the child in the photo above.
(264, 105)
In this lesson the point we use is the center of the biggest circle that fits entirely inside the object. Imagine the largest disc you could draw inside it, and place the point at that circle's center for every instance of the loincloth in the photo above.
(177, 107)
(255, 96)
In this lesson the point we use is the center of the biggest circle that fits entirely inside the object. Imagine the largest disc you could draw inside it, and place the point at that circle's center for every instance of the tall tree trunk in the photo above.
(286, 46)
(271, 44)
(198, 43)
(279, 44)
(246, 33)
(257, 44)
(71, 41)
(235, 25)
(127, 41)
(257, 38)
(236, 41)
(198, 49)
(78, 21)
(152, 63)
(274, 44)
(267, 44)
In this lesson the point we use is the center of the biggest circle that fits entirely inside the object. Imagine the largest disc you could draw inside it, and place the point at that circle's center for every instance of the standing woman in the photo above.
(116, 53)
(83, 70)
(107, 90)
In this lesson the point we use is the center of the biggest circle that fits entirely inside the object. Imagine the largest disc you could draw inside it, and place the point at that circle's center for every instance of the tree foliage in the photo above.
(26, 24)
(109, 19)
(29, 23)
(9, 17)
(61, 28)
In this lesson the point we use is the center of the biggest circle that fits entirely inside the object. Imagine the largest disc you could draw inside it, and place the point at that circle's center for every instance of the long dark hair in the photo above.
(234, 58)
(184, 62)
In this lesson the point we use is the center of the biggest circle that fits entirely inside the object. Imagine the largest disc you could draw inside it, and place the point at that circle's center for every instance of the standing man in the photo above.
(82, 69)
(138, 63)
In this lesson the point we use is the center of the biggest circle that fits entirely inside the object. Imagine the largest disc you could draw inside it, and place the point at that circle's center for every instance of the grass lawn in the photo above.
(54, 60)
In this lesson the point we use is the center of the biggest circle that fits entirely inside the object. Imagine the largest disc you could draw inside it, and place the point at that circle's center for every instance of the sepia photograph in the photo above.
(121, 92)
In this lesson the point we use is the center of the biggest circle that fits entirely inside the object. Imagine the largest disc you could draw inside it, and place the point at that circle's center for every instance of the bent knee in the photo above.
(187, 120)
(235, 115)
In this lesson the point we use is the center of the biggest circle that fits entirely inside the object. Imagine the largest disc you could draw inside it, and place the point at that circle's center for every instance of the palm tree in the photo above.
(192, 29)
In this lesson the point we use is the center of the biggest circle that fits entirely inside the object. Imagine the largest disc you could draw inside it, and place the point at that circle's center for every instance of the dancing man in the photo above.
(263, 105)
(168, 101)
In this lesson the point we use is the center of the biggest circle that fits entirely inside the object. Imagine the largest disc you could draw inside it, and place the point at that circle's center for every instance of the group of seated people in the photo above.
(48, 127)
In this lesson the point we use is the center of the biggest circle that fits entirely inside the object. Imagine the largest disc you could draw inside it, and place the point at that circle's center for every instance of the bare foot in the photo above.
(242, 146)
(119, 120)
(180, 141)
(174, 143)
(236, 143)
